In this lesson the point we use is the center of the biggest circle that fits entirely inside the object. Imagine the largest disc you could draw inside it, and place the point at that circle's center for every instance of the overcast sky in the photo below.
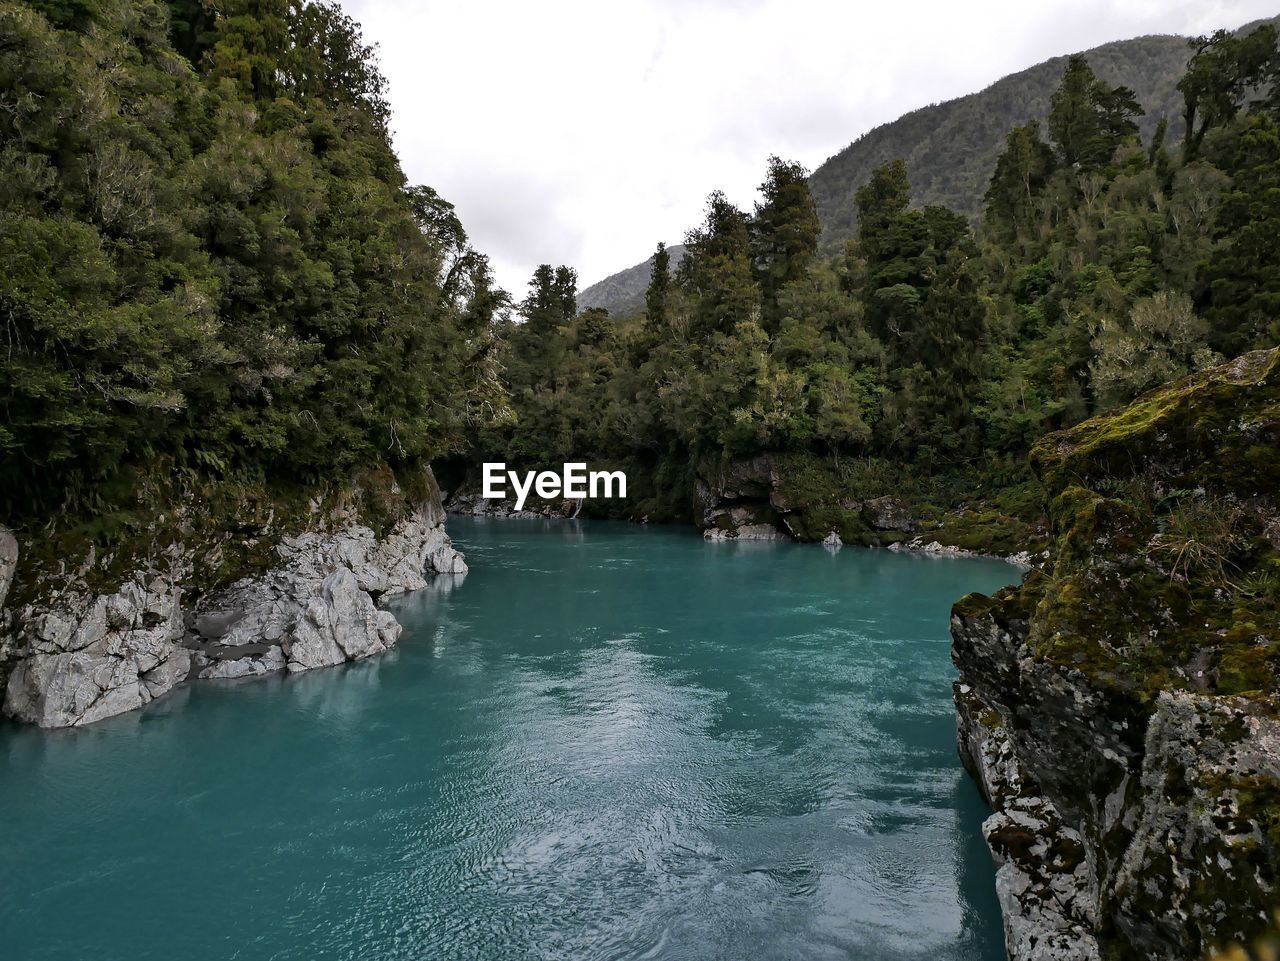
(585, 132)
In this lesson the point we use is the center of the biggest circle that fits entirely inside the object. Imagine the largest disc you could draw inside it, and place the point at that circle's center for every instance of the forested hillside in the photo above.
(950, 148)
(623, 293)
(213, 265)
(1104, 264)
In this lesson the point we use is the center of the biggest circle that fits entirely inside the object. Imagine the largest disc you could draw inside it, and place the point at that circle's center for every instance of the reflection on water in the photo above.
(606, 741)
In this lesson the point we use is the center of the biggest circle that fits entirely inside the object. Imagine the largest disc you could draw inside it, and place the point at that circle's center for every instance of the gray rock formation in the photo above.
(733, 502)
(1042, 872)
(1023, 560)
(8, 561)
(888, 513)
(316, 608)
(85, 656)
(90, 656)
(1105, 811)
(1117, 704)
(469, 501)
(743, 523)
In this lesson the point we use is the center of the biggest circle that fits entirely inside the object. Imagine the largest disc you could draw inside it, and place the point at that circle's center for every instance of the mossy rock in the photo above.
(1164, 576)
(1218, 430)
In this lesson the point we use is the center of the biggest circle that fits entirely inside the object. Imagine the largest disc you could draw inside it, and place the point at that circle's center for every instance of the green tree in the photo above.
(784, 233)
(1244, 274)
(1223, 71)
(1160, 340)
(1021, 173)
(1088, 119)
(716, 272)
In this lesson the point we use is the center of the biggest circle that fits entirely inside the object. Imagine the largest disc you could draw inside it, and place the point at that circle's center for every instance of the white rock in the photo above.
(88, 654)
(83, 657)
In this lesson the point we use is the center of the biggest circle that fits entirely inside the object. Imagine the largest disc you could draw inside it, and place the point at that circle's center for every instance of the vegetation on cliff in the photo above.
(1166, 518)
(1136, 679)
(213, 262)
(1107, 262)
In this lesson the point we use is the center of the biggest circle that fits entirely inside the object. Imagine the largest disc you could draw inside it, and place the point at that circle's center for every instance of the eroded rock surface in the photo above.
(81, 656)
(8, 561)
(732, 501)
(1120, 711)
(317, 607)
(91, 656)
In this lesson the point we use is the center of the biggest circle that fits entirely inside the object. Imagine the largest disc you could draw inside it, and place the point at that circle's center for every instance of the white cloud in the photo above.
(583, 132)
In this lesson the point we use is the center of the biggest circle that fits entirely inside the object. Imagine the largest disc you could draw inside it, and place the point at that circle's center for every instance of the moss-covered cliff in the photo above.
(1127, 696)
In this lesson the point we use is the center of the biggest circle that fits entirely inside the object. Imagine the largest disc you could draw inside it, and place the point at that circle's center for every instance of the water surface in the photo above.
(606, 742)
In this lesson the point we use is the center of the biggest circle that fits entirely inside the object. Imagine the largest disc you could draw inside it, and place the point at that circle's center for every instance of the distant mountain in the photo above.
(623, 293)
(951, 148)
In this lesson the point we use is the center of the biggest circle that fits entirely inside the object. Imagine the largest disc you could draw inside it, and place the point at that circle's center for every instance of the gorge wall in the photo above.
(88, 637)
(1119, 710)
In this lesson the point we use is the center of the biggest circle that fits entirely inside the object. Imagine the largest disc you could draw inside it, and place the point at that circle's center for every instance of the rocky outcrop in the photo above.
(82, 655)
(1023, 560)
(793, 497)
(91, 656)
(1120, 711)
(888, 513)
(316, 608)
(732, 501)
(1042, 871)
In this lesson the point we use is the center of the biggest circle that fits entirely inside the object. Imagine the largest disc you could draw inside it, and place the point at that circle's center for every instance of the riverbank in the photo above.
(1119, 709)
(197, 597)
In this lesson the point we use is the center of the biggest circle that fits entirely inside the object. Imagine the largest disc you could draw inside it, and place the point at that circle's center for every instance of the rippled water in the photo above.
(606, 742)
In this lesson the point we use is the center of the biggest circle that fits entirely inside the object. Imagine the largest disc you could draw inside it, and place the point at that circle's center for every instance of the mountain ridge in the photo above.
(951, 147)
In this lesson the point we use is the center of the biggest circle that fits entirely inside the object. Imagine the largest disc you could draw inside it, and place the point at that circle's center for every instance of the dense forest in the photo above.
(216, 268)
(213, 263)
(1105, 264)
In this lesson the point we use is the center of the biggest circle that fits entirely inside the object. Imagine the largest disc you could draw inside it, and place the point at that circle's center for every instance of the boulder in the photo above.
(888, 513)
(339, 624)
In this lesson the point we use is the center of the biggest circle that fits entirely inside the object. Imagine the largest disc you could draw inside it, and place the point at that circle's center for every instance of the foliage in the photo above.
(1103, 268)
(212, 256)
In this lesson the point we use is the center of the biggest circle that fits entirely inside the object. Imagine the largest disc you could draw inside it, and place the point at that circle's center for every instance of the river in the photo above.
(607, 741)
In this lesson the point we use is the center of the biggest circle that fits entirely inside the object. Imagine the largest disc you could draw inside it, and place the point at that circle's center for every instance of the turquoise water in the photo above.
(606, 742)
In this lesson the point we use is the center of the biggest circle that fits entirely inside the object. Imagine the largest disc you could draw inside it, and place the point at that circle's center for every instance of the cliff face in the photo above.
(1119, 711)
(95, 638)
